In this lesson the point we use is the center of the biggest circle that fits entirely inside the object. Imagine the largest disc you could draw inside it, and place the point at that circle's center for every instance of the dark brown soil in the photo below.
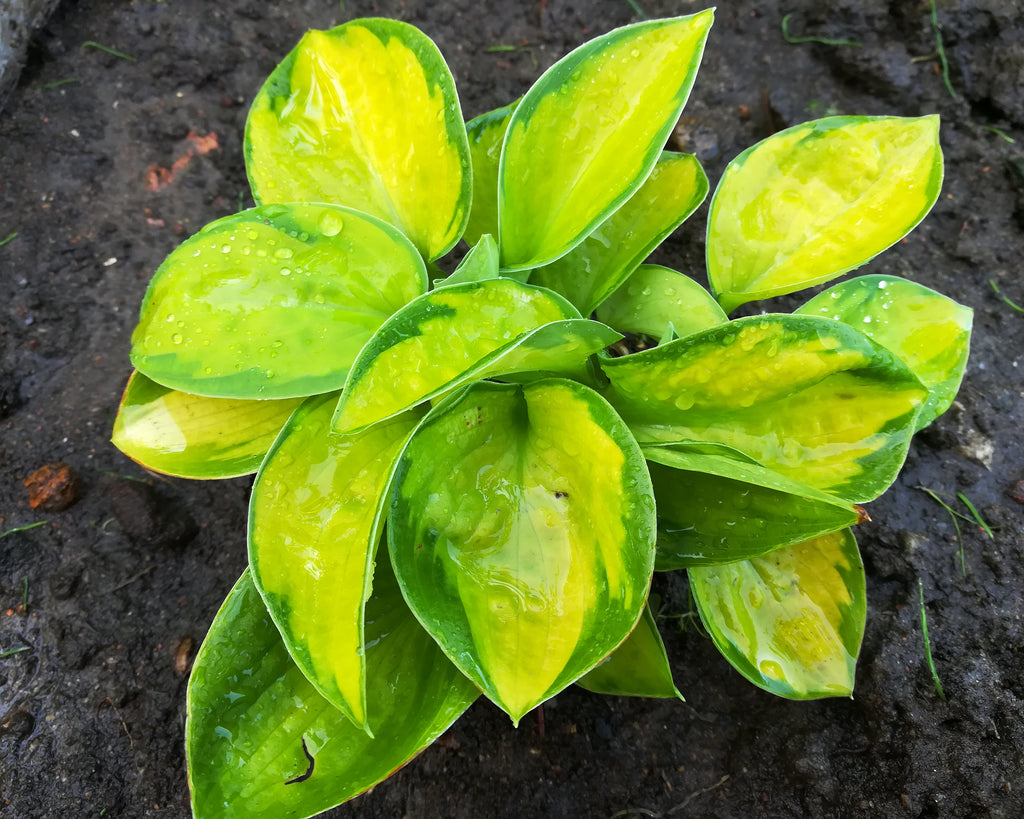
(104, 605)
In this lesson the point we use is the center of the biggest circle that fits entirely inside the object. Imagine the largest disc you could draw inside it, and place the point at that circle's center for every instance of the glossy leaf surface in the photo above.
(251, 711)
(457, 333)
(810, 398)
(195, 437)
(792, 621)
(479, 264)
(273, 302)
(589, 132)
(365, 115)
(819, 199)
(928, 331)
(592, 270)
(716, 509)
(486, 134)
(314, 524)
(637, 668)
(522, 534)
(656, 300)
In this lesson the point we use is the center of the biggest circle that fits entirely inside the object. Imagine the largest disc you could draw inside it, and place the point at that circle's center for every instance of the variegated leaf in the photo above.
(365, 115)
(314, 524)
(522, 535)
(819, 199)
(191, 436)
(791, 621)
(273, 302)
(589, 132)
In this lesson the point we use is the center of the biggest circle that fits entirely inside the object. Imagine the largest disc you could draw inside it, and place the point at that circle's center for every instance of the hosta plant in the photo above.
(459, 488)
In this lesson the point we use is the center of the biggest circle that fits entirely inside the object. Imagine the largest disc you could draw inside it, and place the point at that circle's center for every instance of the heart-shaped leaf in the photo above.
(819, 199)
(589, 132)
(637, 668)
(791, 621)
(263, 744)
(365, 115)
(462, 332)
(314, 524)
(808, 397)
(592, 270)
(486, 134)
(656, 301)
(191, 436)
(522, 535)
(273, 302)
(716, 509)
(930, 332)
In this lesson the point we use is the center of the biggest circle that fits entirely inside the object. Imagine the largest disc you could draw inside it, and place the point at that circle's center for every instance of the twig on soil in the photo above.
(108, 50)
(130, 580)
(822, 40)
(928, 644)
(110, 702)
(7, 239)
(636, 8)
(25, 528)
(24, 595)
(998, 292)
(941, 50)
(635, 812)
(682, 805)
(59, 83)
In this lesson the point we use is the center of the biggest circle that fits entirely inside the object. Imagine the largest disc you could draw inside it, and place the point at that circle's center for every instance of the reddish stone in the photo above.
(52, 487)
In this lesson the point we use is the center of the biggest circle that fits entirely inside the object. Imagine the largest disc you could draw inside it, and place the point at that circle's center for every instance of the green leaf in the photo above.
(365, 115)
(637, 668)
(792, 621)
(716, 509)
(589, 132)
(655, 300)
(253, 717)
(929, 332)
(467, 331)
(819, 199)
(522, 535)
(314, 524)
(592, 270)
(808, 397)
(195, 437)
(273, 302)
(479, 264)
(486, 134)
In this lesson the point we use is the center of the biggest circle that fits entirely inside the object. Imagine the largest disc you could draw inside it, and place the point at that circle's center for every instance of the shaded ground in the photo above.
(103, 172)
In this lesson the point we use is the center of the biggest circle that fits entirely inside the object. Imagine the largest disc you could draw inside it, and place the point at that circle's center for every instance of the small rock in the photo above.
(183, 657)
(63, 581)
(977, 447)
(53, 487)
(18, 723)
(147, 517)
(1016, 492)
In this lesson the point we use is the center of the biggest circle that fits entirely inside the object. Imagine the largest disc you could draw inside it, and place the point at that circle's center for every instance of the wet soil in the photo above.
(103, 171)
